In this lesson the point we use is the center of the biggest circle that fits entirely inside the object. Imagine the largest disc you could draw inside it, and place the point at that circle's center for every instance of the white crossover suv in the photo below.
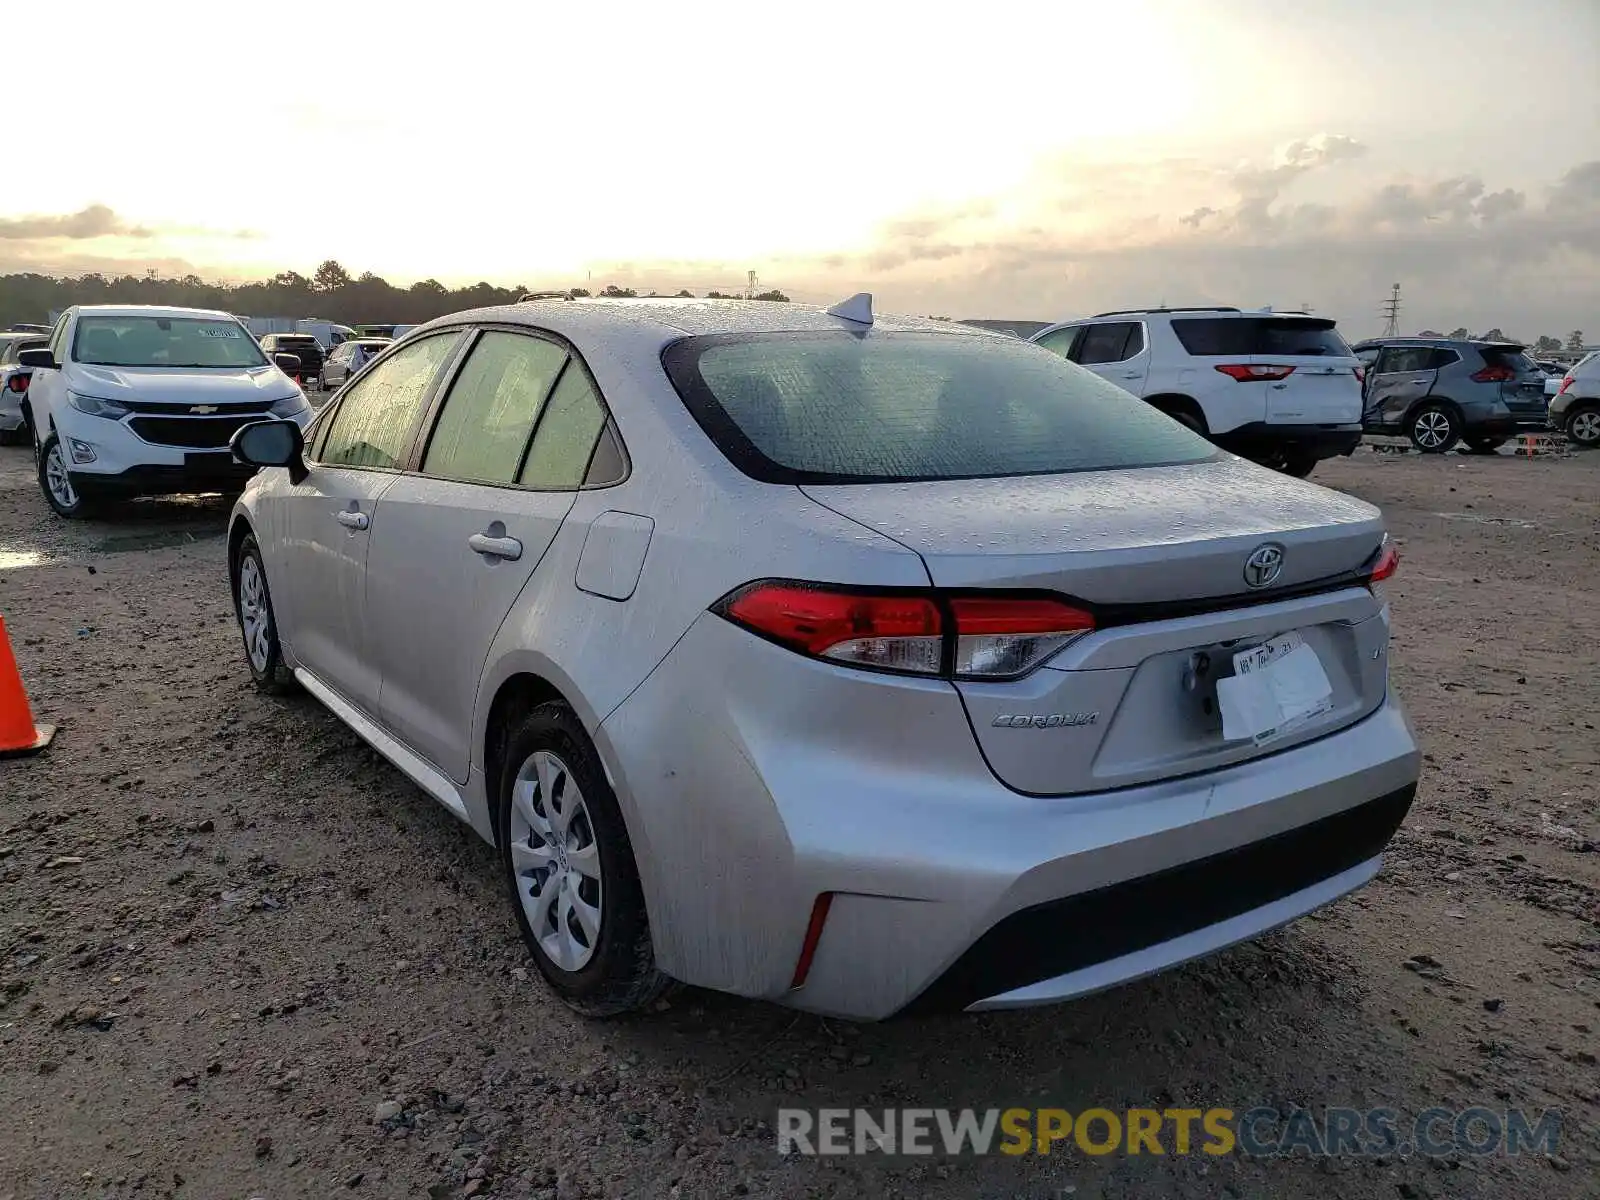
(141, 400)
(858, 664)
(1282, 389)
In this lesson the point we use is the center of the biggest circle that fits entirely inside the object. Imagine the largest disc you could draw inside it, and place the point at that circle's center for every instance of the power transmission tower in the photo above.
(750, 291)
(1390, 312)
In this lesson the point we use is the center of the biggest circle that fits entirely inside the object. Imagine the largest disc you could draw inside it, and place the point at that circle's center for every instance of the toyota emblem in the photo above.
(1264, 565)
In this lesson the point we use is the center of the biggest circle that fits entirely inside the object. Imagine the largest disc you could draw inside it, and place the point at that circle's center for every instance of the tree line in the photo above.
(331, 293)
(1543, 344)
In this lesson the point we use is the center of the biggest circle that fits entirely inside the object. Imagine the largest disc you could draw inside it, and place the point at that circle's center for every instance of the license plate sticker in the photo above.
(1276, 688)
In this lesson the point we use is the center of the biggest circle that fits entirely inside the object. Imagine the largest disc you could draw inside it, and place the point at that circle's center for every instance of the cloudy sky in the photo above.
(1016, 160)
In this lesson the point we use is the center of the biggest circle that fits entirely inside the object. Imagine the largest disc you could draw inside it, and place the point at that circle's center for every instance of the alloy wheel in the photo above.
(1432, 429)
(57, 479)
(1585, 427)
(254, 615)
(556, 861)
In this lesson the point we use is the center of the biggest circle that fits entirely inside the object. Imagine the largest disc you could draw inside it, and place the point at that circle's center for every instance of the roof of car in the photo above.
(669, 317)
(1437, 341)
(149, 310)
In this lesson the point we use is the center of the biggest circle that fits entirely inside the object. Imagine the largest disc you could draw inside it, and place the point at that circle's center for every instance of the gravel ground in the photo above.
(242, 956)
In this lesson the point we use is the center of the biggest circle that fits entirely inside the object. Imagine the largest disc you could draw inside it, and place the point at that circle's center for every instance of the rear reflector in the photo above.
(1386, 564)
(982, 635)
(1253, 373)
(1494, 375)
(808, 948)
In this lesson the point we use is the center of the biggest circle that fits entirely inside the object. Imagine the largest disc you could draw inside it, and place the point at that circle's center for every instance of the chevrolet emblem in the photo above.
(204, 409)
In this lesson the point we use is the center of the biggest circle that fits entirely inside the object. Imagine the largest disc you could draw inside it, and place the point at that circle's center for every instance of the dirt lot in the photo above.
(241, 956)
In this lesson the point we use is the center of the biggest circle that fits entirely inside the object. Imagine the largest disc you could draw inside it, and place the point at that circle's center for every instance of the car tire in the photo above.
(55, 481)
(1583, 426)
(1484, 445)
(1434, 428)
(564, 853)
(1297, 463)
(258, 624)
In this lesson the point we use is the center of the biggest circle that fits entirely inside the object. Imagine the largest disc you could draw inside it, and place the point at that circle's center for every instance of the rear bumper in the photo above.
(1320, 441)
(754, 781)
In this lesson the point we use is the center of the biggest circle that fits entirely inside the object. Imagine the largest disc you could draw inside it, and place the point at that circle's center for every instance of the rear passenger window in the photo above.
(377, 416)
(490, 412)
(1401, 360)
(1107, 343)
(1442, 359)
(565, 439)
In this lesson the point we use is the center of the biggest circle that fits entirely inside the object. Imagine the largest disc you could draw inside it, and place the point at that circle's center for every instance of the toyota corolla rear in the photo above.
(1119, 700)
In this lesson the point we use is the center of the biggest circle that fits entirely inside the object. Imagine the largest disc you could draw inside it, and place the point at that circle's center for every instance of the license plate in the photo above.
(1276, 688)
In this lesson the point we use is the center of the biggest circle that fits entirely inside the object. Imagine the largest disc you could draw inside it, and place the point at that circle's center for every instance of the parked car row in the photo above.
(1285, 390)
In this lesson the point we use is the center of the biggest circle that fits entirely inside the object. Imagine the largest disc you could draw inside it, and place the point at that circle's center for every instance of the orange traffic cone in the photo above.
(18, 734)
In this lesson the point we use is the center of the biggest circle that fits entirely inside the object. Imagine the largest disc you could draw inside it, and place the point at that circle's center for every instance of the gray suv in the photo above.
(1444, 391)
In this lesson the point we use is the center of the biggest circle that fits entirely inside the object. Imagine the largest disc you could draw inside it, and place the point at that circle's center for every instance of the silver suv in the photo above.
(853, 663)
(1443, 391)
(1576, 407)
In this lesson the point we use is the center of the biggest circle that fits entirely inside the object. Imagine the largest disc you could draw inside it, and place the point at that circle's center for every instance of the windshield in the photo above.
(151, 341)
(1260, 335)
(841, 408)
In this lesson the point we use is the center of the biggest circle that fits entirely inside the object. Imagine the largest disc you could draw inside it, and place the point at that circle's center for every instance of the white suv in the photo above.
(1282, 389)
(142, 400)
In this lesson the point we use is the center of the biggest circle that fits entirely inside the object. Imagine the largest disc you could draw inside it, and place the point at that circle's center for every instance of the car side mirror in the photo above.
(289, 364)
(37, 359)
(272, 444)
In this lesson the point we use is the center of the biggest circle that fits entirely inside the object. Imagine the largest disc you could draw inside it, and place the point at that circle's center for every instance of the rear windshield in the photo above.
(842, 408)
(145, 341)
(1259, 335)
(297, 339)
(1515, 359)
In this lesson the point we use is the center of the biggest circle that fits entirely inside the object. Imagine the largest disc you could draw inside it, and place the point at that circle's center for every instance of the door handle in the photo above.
(354, 520)
(496, 547)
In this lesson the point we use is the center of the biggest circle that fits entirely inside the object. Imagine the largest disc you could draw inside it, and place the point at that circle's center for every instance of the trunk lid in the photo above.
(1524, 392)
(1159, 554)
(1159, 536)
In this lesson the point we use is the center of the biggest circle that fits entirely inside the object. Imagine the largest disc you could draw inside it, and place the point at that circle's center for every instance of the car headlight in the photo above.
(290, 406)
(96, 407)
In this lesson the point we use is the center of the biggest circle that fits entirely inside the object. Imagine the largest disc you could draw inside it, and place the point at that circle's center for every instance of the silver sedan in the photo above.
(857, 664)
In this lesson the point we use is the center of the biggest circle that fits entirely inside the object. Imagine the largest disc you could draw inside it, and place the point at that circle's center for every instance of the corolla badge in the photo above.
(1264, 566)
(1044, 720)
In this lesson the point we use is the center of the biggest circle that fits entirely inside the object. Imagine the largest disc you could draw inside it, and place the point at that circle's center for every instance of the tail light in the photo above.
(1560, 391)
(1385, 563)
(1251, 373)
(18, 383)
(1494, 375)
(967, 636)
(1361, 374)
